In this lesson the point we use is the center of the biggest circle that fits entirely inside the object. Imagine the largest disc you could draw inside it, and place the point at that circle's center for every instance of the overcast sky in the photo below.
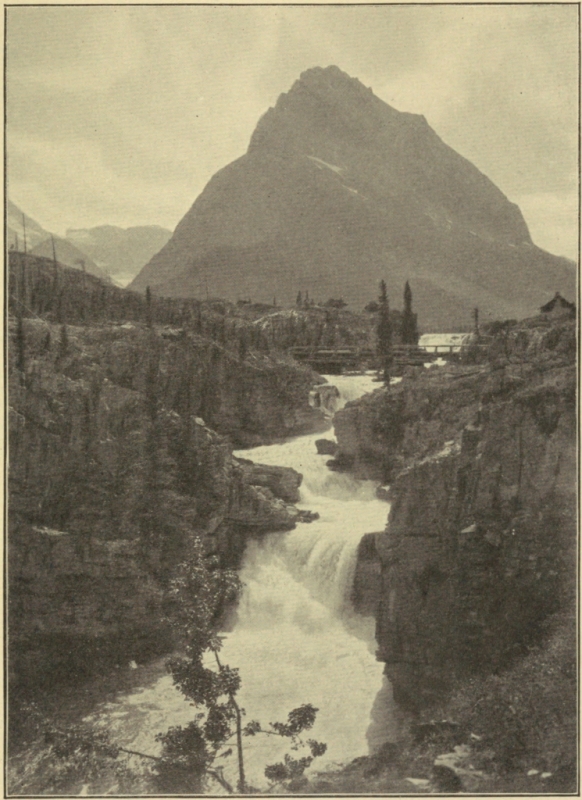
(120, 115)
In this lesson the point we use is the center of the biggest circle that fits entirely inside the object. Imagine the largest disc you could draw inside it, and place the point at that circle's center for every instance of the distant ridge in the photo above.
(121, 252)
(110, 252)
(338, 190)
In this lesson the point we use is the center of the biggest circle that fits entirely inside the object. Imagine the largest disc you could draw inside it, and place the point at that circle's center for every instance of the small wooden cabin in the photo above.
(558, 307)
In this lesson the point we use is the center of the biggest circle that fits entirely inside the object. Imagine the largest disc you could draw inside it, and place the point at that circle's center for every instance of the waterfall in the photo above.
(321, 555)
(295, 638)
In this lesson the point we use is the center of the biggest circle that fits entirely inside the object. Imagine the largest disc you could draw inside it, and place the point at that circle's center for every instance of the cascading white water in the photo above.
(295, 639)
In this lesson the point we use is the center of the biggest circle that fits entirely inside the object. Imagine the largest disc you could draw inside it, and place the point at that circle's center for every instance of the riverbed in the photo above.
(294, 637)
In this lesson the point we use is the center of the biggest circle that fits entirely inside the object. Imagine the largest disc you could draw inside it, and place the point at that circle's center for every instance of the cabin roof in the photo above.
(557, 299)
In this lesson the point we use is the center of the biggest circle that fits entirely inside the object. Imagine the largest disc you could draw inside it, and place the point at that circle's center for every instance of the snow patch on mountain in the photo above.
(321, 163)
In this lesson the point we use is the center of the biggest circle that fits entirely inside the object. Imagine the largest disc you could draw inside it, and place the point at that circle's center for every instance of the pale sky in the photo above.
(121, 115)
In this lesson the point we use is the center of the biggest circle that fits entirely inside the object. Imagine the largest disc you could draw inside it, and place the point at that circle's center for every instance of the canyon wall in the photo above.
(114, 468)
(480, 545)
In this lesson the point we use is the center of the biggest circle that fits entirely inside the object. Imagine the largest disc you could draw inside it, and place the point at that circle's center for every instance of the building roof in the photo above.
(557, 300)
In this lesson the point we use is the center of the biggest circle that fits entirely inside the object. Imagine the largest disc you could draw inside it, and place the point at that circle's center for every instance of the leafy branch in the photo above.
(199, 596)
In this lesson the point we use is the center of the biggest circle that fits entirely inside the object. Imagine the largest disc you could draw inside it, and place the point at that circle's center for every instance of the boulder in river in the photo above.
(325, 447)
(325, 398)
(284, 482)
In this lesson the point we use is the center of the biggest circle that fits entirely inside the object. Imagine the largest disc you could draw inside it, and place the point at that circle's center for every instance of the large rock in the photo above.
(325, 397)
(480, 544)
(367, 585)
(338, 190)
(283, 482)
(326, 447)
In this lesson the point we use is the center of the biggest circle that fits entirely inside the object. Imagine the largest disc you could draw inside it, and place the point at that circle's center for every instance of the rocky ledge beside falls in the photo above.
(114, 468)
(480, 545)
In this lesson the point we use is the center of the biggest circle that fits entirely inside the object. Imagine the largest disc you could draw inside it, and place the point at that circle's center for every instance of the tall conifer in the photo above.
(409, 331)
(384, 333)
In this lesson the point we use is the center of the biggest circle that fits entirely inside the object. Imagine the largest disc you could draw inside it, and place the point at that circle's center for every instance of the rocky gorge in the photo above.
(121, 451)
(122, 438)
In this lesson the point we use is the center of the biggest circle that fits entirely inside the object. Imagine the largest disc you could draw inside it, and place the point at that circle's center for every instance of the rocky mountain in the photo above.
(68, 255)
(338, 190)
(120, 252)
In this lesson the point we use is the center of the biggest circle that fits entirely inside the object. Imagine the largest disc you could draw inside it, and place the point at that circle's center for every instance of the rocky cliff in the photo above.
(338, 190)
(480, 545)
(114, 468)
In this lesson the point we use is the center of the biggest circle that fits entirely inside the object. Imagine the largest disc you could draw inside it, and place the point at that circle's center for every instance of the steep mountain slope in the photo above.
(15, 234)
(68, 255)
(338, 190)
(120, 252)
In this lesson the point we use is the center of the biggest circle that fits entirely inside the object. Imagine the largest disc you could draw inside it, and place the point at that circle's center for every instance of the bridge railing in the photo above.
(399, 351)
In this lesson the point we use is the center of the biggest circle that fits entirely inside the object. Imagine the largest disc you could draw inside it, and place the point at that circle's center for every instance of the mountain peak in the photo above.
(332, 82)
(327, 101)
(330, 73)
(338, 190)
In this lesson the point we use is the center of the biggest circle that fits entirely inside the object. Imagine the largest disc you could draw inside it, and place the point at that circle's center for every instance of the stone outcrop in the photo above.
(480, 545)
(283, 482)
(326, 447)
(113, 471)
(78, 605)
(367, 585)
(325, 397)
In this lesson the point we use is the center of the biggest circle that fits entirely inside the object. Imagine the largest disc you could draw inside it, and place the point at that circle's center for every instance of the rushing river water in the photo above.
(295, 638)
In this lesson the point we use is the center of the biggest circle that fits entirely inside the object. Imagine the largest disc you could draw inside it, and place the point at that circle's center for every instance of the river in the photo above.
(295, 638)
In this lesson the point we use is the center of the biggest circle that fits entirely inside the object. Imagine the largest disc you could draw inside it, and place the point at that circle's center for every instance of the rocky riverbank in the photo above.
(121, 443)
(475, 571)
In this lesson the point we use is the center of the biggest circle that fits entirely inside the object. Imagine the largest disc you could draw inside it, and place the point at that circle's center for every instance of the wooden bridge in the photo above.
(334, 360)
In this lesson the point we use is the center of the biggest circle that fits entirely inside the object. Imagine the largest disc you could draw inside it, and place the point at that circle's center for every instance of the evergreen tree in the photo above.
(63, 342)
(242, 345)
(299, 300)
(409, 331)
(20, 346)
(46, 345)
(149, 319)
(384, 334)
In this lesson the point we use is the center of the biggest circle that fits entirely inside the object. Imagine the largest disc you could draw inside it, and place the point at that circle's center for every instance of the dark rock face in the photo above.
(283, 482)
(367, 585)
(480, 545)
(77, 606)
(325, 447)
(113, 472)
(338, 190)
(325, 397)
